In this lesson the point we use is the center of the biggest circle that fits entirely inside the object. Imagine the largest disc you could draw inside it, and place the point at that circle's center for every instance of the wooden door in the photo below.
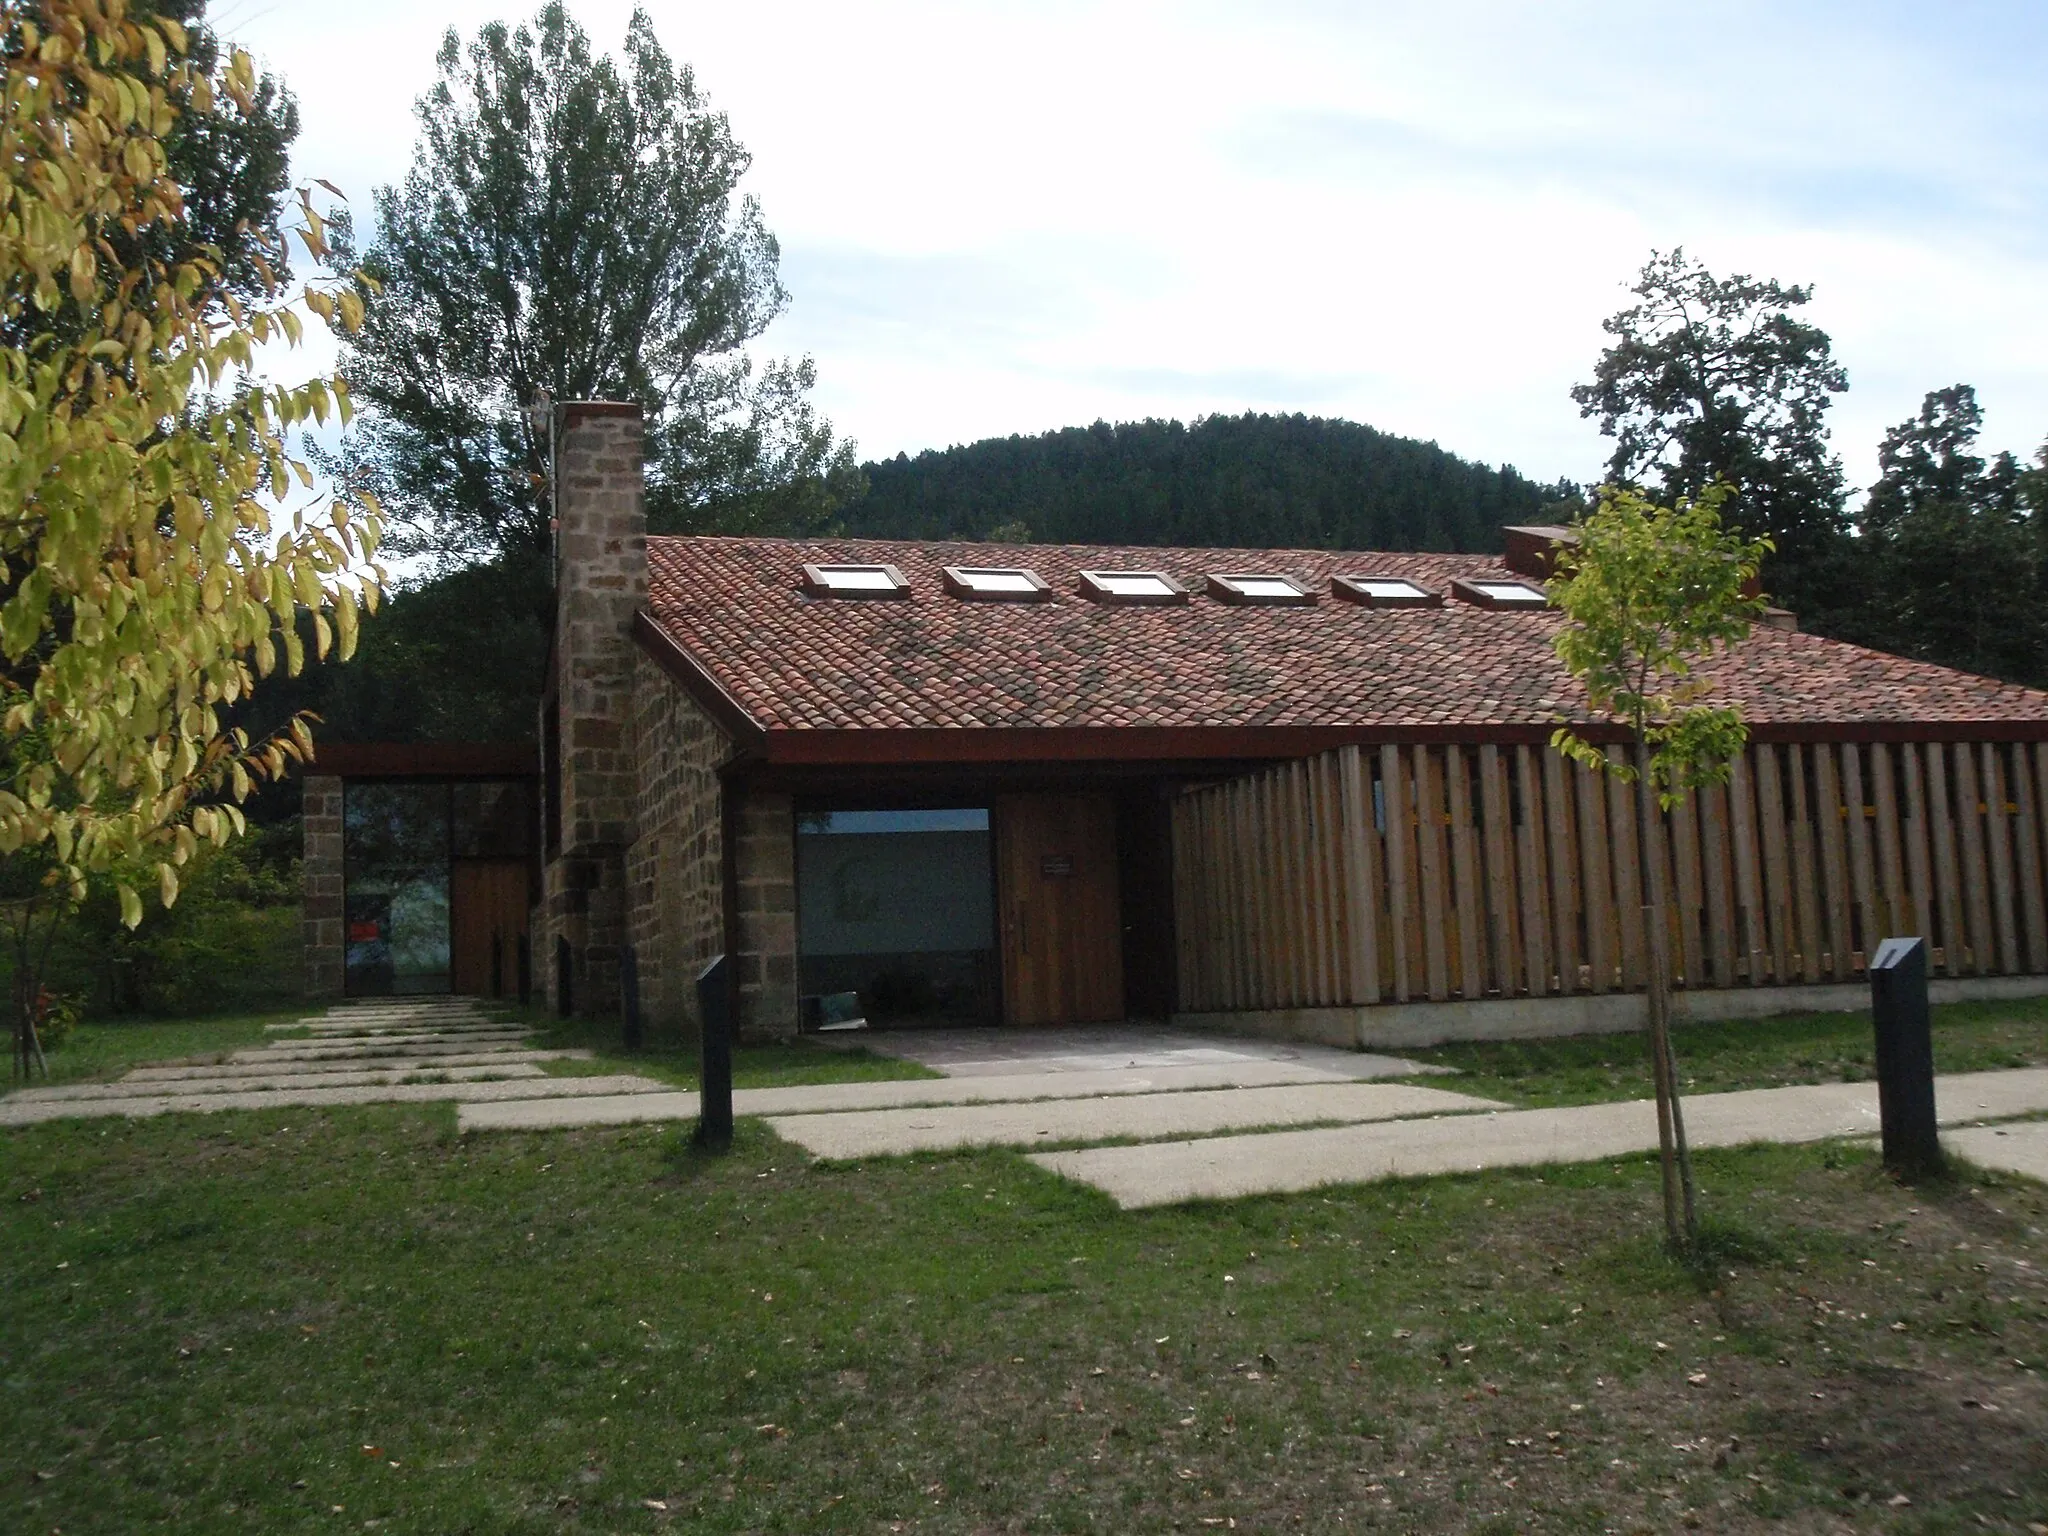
(1056, 887)
(488, 919)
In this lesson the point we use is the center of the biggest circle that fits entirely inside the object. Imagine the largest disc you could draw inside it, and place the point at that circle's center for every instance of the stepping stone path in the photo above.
(386, 1051)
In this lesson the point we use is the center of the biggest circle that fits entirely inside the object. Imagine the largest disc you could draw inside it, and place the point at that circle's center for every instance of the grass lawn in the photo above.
(1743, 1053)
(302, 1320)
(98, 1052)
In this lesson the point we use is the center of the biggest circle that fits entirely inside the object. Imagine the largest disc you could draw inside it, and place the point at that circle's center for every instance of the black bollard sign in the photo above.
(1905, 1056)
(714, 1078)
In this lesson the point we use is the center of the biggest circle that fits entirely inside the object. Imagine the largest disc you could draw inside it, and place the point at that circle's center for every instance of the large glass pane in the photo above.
(493, 819)
(899, 907)
(395, 875)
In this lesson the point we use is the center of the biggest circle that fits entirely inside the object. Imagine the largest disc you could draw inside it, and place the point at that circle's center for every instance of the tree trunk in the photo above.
(1681, 1221)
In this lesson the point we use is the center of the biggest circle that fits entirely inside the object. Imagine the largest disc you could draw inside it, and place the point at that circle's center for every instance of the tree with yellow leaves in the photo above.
(145, 583)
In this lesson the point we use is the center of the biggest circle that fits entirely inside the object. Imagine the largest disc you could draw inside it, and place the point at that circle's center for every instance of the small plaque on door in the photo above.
(1057, 865)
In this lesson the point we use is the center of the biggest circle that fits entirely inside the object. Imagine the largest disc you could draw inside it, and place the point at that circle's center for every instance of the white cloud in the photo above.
(1001, 218)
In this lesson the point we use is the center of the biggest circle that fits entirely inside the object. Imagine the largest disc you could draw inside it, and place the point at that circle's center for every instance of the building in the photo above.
(1303, 791)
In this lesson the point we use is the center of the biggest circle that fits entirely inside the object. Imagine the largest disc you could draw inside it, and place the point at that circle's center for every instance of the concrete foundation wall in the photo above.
(1410, 1026)
(325, 920)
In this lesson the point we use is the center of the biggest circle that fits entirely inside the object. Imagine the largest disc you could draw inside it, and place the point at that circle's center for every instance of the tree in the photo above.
(573, 227)
(1649, 591)
(1954, 559)
(1716, 379)
(145, 585)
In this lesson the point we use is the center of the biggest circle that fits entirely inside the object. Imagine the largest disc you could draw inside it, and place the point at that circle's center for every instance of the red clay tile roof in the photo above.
(800, 664)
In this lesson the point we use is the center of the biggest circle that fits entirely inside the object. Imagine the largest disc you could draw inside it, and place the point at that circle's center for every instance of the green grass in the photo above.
(1746, 1053)
(301, 1320)
(831, 1059)
(97, 1052)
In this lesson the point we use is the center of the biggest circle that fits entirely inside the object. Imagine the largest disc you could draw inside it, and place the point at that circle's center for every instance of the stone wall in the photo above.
(674, 898)
(324, 919)
(600, 583)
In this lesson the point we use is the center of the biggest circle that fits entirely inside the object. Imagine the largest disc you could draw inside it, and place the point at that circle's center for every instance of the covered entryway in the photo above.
(1058, 908)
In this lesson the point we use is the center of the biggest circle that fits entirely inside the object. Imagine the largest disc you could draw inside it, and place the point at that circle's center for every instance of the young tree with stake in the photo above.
(1650, 591)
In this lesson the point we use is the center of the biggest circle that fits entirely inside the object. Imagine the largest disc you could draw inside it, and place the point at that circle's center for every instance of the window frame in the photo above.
(1090, 585)
(817, 583)
(957, 583)
(1473, 590)
(1221, 586)
(1352, 589)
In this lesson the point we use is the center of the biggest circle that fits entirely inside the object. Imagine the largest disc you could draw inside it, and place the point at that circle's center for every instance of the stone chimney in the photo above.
(587, 709)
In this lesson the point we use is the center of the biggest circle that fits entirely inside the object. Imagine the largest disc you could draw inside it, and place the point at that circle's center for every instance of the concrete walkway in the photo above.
(1225, 1167)
(2019, 1149)
(387, 1051)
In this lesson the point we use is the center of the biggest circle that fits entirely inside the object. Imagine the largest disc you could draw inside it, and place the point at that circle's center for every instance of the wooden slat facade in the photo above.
(1395, 873)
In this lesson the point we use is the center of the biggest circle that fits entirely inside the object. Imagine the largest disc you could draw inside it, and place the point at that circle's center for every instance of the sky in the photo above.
(1001, 218)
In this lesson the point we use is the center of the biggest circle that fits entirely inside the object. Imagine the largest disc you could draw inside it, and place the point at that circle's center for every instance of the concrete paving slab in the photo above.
(13, 1112)
(262, 1065)
(2021, 1149)
(131, 1087)
(819, 1098)
(431, 1046)
(1168, 1173)
(1095, 1048)
(894, 1132)
(573, 1114)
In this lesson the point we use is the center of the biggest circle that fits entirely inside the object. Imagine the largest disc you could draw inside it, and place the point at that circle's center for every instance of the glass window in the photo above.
(1265, 586)
(1392, 588)
(493, 819)
(395, 842)
(1511, 592)
(1134, 585)
(855, 581)
(864, 578)
(898, 907)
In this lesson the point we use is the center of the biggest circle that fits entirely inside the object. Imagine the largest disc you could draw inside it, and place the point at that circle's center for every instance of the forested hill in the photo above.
(1251, 481)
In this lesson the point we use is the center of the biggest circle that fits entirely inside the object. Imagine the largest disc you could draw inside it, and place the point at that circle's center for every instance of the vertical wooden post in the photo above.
(1394, 809)
(1466, 894)
(1596, 862)
(2027, 833)
(1862, 870)
(1493, 814)
(1564, 866)
(1532, 882)
(1751, 934)
(1998, 826)
(1360, 917)
(1806, 868)
(1429, 846)
(1941, 833)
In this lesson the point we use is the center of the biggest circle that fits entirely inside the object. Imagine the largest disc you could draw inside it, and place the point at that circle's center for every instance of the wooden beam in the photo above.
(1361, 919)
(1563, 855)
(1429, 844)
(1751, 929)
(1806, 879)
(2027, 832)
(1532, 883)
(1468, 898)
(1596, 891)
(1396, 808)
(1865, 902)
(1998, 852)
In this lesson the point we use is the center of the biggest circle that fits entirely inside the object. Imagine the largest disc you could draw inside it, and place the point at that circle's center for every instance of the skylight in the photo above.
(1385, 592)
(1500, 594)
(855, 581)
(1134, 588)
(1260, 588)
(996, 584)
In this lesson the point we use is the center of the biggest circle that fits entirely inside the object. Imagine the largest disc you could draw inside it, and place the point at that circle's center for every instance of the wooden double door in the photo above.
(487, 923)
(1057, 909)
